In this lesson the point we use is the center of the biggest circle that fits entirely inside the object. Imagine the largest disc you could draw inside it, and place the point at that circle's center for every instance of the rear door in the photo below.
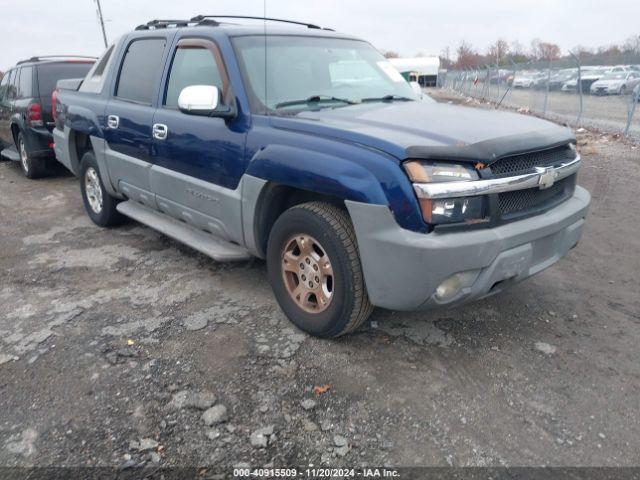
(5, 109)
(199, 163)
(129, 115)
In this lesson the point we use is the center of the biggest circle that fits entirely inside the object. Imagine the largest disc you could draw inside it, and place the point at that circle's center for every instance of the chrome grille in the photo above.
(526, 162)
(522, 201)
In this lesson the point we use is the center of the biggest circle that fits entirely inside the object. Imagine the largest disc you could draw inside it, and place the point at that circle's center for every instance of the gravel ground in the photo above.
(609, 113)
(121, 347)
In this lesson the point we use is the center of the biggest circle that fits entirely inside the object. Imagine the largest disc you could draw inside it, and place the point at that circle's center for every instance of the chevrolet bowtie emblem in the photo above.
(547, 177)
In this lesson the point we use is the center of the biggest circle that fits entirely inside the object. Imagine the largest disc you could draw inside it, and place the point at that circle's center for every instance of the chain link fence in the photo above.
(605, 97)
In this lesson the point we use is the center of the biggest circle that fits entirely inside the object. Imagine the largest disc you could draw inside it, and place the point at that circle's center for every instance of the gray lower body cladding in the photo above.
(403, 269)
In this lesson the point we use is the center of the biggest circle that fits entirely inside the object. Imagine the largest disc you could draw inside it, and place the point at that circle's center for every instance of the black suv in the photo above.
(26, 119)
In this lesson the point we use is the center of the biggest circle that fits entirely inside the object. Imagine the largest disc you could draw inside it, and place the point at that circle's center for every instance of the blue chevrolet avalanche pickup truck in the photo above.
(305, 147)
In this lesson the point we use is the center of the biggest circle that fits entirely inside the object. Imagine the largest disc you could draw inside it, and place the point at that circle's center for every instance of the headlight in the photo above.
(449, 210)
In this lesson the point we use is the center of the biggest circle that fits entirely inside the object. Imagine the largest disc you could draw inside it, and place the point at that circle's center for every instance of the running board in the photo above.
(11, 153)
(204, 242)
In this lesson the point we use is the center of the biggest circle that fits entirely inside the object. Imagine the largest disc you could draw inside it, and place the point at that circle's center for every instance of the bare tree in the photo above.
(632, 45)
(498, 51)
(467, 56)
(391, 54)
(544, 50)
(445, 57)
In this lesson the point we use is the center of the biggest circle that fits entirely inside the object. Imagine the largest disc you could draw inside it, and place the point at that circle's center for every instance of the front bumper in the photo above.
(403, 268)
(604, 90)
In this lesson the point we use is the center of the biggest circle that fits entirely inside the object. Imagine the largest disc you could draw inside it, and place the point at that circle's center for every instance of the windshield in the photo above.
(308, 73)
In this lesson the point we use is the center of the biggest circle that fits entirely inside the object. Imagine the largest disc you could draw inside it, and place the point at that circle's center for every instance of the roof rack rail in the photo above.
(209, 20)
(200, 18)
(50, 57)
(157, 24)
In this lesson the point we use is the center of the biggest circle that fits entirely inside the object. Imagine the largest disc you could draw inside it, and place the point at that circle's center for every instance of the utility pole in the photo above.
(104, 33)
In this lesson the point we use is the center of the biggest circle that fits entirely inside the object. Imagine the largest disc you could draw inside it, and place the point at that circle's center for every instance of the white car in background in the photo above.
(619, 83)
(588, 76)
(526, 79)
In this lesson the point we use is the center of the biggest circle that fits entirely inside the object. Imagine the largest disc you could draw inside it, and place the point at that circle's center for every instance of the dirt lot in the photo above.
(114, 343)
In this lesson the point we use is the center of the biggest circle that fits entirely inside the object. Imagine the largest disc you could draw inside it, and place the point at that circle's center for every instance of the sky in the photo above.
(46, 27)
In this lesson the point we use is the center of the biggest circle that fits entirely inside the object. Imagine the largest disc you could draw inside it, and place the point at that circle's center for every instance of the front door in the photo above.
(198, 161)
(129, 115)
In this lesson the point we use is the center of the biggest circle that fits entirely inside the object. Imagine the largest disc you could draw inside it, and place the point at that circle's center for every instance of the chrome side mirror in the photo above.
(202, 100)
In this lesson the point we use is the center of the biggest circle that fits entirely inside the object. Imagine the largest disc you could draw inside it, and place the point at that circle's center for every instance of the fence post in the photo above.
(635, 98)
(508, 89)
(484, 84)
(579, 85)
(546, 93)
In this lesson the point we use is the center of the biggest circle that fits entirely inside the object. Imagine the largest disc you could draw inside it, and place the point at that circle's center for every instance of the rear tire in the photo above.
(31, 166)
(99, 205)
(315, 271)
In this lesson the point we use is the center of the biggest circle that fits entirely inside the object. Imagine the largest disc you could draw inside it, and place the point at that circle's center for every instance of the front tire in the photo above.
(99, 205)
(315, 272)
(31, 166)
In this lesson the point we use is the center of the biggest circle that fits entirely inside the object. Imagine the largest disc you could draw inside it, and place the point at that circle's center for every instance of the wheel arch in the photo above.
(276, 198)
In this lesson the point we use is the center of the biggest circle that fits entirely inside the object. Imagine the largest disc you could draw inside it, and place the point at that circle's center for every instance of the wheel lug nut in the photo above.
(302, 265)
(317, 280)
(315, 267)
(311, 284)
(303, 277)
(308, 261)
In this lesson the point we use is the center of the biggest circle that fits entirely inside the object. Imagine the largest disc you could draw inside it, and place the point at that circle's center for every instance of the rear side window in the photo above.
(50, 73)
(25, 83)
(140, 69)
(191, 66)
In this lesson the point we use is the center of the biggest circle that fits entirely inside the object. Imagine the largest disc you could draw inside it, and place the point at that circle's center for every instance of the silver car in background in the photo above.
(619, 83)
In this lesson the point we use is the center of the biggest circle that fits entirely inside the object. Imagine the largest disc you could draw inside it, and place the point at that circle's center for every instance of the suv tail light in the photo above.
(34, 115)
(54, 104)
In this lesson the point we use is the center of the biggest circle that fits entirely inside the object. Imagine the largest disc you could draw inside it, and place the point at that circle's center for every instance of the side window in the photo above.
(192, 65)
(12, 88)
(4, 85)
(25, 83)
(140, 68)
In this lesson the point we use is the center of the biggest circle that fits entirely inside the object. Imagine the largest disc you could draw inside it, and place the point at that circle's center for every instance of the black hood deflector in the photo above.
(488, 151)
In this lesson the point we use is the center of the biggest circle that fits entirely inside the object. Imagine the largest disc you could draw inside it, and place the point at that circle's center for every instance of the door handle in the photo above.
(113, 122)
(160, 131)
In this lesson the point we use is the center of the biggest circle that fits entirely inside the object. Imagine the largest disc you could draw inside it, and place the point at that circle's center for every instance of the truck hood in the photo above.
(430, 130)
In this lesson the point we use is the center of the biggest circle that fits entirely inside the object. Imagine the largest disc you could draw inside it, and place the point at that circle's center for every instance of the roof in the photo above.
(421, 65)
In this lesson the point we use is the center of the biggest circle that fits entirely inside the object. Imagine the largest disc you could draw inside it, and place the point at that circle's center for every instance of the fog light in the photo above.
(449, 288)
(452, 286)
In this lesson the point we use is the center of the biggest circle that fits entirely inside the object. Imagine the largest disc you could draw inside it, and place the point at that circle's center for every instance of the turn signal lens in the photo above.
(430, 172)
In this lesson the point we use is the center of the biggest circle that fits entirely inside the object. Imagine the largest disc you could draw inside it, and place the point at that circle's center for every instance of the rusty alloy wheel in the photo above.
(307, 273)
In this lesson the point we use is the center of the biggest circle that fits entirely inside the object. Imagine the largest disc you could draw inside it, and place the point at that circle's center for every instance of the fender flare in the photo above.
(317, 172)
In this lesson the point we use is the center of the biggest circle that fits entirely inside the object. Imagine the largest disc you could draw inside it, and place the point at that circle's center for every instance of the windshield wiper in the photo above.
(388, 98)
(316, 99)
